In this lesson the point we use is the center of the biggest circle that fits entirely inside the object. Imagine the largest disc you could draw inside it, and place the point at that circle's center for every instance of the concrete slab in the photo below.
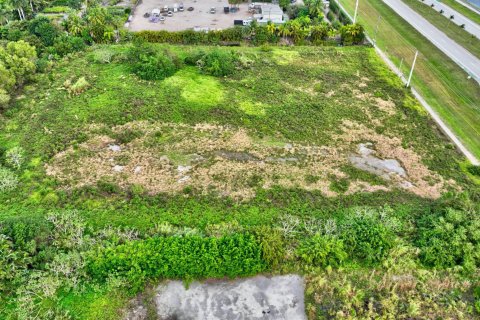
(275, 298)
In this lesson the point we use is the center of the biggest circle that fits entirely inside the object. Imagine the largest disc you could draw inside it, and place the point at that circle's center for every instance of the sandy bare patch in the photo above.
(387, 106)
(167, 158)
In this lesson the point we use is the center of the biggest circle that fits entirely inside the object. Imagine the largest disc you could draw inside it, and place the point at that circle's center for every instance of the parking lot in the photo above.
(200, 17)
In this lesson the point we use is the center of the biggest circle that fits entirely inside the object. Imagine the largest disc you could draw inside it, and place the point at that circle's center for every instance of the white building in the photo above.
(268, 12)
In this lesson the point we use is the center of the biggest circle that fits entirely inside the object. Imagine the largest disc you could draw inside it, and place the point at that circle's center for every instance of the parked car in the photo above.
(181, 7)
(226, 9)
(156, 13)
(213, 10)
(169, 14)
(190, 9)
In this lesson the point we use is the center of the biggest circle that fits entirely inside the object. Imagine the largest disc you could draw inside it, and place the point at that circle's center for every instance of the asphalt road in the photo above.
(458, 19)
(454, 51)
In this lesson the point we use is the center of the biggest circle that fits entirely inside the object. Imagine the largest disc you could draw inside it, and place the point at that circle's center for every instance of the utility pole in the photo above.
(376, 30)
(411, 70)
(356, 10)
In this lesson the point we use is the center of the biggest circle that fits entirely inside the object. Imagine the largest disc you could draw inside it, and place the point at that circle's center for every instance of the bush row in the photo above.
(179, 257)
(192, 37)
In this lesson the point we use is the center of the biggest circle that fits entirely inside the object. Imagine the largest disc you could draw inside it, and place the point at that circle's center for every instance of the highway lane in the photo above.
(454, 51)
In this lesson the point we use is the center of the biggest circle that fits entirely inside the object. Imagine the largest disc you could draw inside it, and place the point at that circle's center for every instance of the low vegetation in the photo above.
(124, 165)
(124, 156)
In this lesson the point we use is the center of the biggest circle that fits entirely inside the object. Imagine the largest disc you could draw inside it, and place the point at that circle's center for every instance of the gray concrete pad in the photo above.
(275, 298)
(365, 160)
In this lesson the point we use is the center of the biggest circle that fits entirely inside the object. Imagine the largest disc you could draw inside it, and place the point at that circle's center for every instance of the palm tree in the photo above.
(283, 30)
(297, 31)
(271, 27)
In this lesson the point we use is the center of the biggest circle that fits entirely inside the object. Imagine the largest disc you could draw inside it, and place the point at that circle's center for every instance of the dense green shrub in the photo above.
(333, 6)
(17, 66)
(476, 295)
(273, 245)
(320, 32)
(43, 28)
(150, 64)
(475, 170)
(217, 62)
(449, 238)
(12, 261)
(367, 239)
(322, 251)
(344, 18)
(331, 16)
(179, 257)
(68, 44)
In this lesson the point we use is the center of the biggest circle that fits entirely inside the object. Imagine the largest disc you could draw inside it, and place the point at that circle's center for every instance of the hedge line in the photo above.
(192, 37)
(186, 257)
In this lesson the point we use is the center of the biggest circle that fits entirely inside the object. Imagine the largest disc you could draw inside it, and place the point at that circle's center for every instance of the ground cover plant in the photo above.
(275, 164)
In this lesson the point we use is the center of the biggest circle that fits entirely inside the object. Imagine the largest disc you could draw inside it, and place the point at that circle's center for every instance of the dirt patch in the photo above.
(227, 161)
(417, 178)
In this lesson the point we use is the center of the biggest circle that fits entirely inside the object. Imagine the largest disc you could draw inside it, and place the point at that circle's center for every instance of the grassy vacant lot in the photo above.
(270, 150)
(463, 10)
(440, 81)
(459, 35)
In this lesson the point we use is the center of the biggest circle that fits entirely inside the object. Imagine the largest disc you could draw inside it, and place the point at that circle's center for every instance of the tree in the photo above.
(44, 30)
(19, 5)
(6, 9)
(19, 59)
(297, 31)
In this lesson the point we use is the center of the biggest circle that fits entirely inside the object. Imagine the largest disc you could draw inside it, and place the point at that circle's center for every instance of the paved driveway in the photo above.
(457, 53)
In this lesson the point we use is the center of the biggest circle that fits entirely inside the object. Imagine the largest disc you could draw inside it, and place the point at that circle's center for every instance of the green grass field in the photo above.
(459, 35)
(266, 152)
(442, 83)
